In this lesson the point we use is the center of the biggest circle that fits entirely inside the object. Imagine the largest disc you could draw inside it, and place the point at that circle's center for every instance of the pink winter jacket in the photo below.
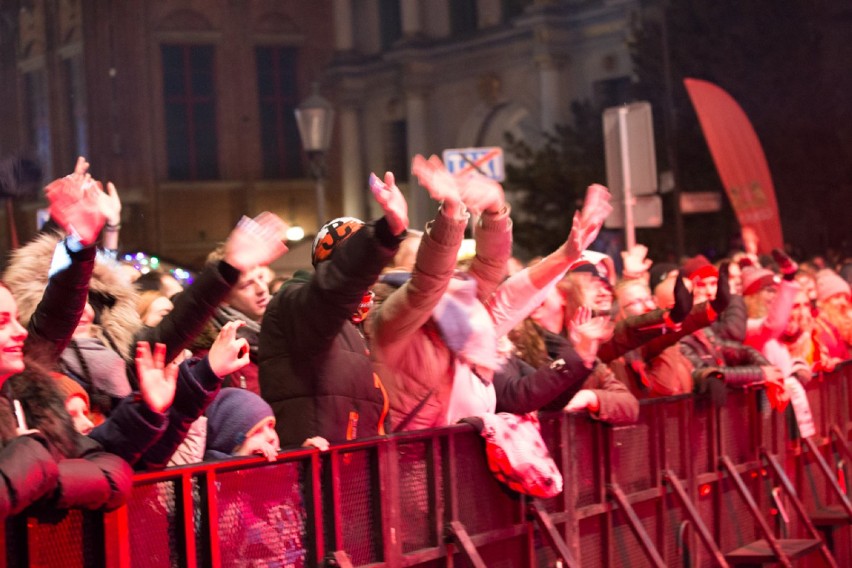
(411, 359)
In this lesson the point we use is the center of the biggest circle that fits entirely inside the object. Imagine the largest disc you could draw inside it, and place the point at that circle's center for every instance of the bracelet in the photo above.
(109, 227)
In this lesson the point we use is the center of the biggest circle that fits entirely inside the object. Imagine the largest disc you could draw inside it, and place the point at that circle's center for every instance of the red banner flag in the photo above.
(739, 160)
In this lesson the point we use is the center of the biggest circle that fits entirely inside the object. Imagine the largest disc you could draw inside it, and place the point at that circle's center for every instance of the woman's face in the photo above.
(79, 412)
(12, 336)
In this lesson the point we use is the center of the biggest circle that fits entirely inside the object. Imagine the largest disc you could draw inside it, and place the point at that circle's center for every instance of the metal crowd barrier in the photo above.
(670, 490)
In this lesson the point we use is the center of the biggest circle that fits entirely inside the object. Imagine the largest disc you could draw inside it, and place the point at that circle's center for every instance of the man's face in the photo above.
(705, 288)
(251, 294)
(634, 300)
(597, 294)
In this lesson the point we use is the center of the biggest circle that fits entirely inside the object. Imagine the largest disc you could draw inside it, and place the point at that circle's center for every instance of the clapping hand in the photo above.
(393, 203)
(441, 184)
(228, 353)
(256, 242)
(587, 333)
(157, 380)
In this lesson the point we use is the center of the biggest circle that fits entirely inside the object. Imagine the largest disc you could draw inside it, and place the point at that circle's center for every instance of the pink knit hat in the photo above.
(756, 279)
(829, 283)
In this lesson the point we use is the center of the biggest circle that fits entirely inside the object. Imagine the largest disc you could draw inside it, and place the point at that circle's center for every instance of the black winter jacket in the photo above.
(315, 368)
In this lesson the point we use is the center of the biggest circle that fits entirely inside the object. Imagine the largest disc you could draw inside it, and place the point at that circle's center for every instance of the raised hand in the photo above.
(110, 205)
(583, 400)
(635, 261)
(480, 193)
(393, 203)
(256, 242)
(75, 204)
(157, 380)
(786, 265)
(587, 333)
(723, 289)
(441, 184)
(683, 299)
(228, 353)
(596, 207)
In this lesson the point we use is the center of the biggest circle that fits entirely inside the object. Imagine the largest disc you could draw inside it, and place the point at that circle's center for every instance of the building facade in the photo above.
(187, 105)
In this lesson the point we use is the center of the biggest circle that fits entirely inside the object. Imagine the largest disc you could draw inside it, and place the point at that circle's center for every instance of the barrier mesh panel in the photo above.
(736, 434)
(700, 436)
(154, 529)
(261, 516)
(417, 520)
(509, 553)
(492, 505)
(551, 434)
(591, 542)
(63, 543)
(585, 468)
(359, 507)
(706, 511)
(736, 523)
(625, 545)
(631, 459)
(675, 439)
(674, 516)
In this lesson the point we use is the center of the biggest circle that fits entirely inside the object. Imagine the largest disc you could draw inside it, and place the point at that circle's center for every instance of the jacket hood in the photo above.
(114, 300)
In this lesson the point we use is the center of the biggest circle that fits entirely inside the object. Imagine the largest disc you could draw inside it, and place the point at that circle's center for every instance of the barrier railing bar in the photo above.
(187, 521)
(826, 470)
(755, 511)
(433, 474)
(797, 504)
(841, 442)
(116, 533)
(213, 519)
(313, 507)
(638, 528)
(337, 529)
(458, 534)
(551, 534)
(389, 498)
(694, 516)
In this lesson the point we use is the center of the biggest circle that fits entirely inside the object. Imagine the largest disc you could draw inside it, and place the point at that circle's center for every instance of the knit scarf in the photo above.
(250, 331)
(93, 361)
(467, 328)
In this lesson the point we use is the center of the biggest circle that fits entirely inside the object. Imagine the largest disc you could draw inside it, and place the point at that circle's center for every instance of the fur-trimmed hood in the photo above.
(114, 300)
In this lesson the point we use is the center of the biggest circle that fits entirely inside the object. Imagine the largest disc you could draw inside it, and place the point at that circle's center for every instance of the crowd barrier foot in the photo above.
(457, 534)
(637, 526)
(770, 548)
(703, 532)
(338, 559)
(554, 539)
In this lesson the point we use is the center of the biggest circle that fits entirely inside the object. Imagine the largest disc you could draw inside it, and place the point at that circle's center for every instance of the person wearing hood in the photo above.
(45, 464)
(314, 364)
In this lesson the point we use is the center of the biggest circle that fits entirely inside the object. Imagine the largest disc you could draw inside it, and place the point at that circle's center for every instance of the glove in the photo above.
(712, 383)
(786, 265)
(723, 290)
(683, 300)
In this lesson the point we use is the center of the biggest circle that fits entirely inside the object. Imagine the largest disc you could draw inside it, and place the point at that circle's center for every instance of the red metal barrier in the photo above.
(648, 494)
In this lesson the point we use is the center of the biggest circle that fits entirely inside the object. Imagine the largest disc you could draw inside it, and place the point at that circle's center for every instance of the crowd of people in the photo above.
(104, 371)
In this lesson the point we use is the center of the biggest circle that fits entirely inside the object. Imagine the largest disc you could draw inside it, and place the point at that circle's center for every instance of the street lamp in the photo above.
(315, 118)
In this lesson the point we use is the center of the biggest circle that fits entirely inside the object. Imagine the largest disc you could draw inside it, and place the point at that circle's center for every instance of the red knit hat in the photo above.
(699, 267)
(68, 388)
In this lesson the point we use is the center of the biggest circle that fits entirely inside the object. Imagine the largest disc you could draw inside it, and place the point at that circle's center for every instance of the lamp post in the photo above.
(315, 119)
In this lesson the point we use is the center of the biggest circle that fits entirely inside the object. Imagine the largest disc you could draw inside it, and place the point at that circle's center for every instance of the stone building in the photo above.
(187, 104)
